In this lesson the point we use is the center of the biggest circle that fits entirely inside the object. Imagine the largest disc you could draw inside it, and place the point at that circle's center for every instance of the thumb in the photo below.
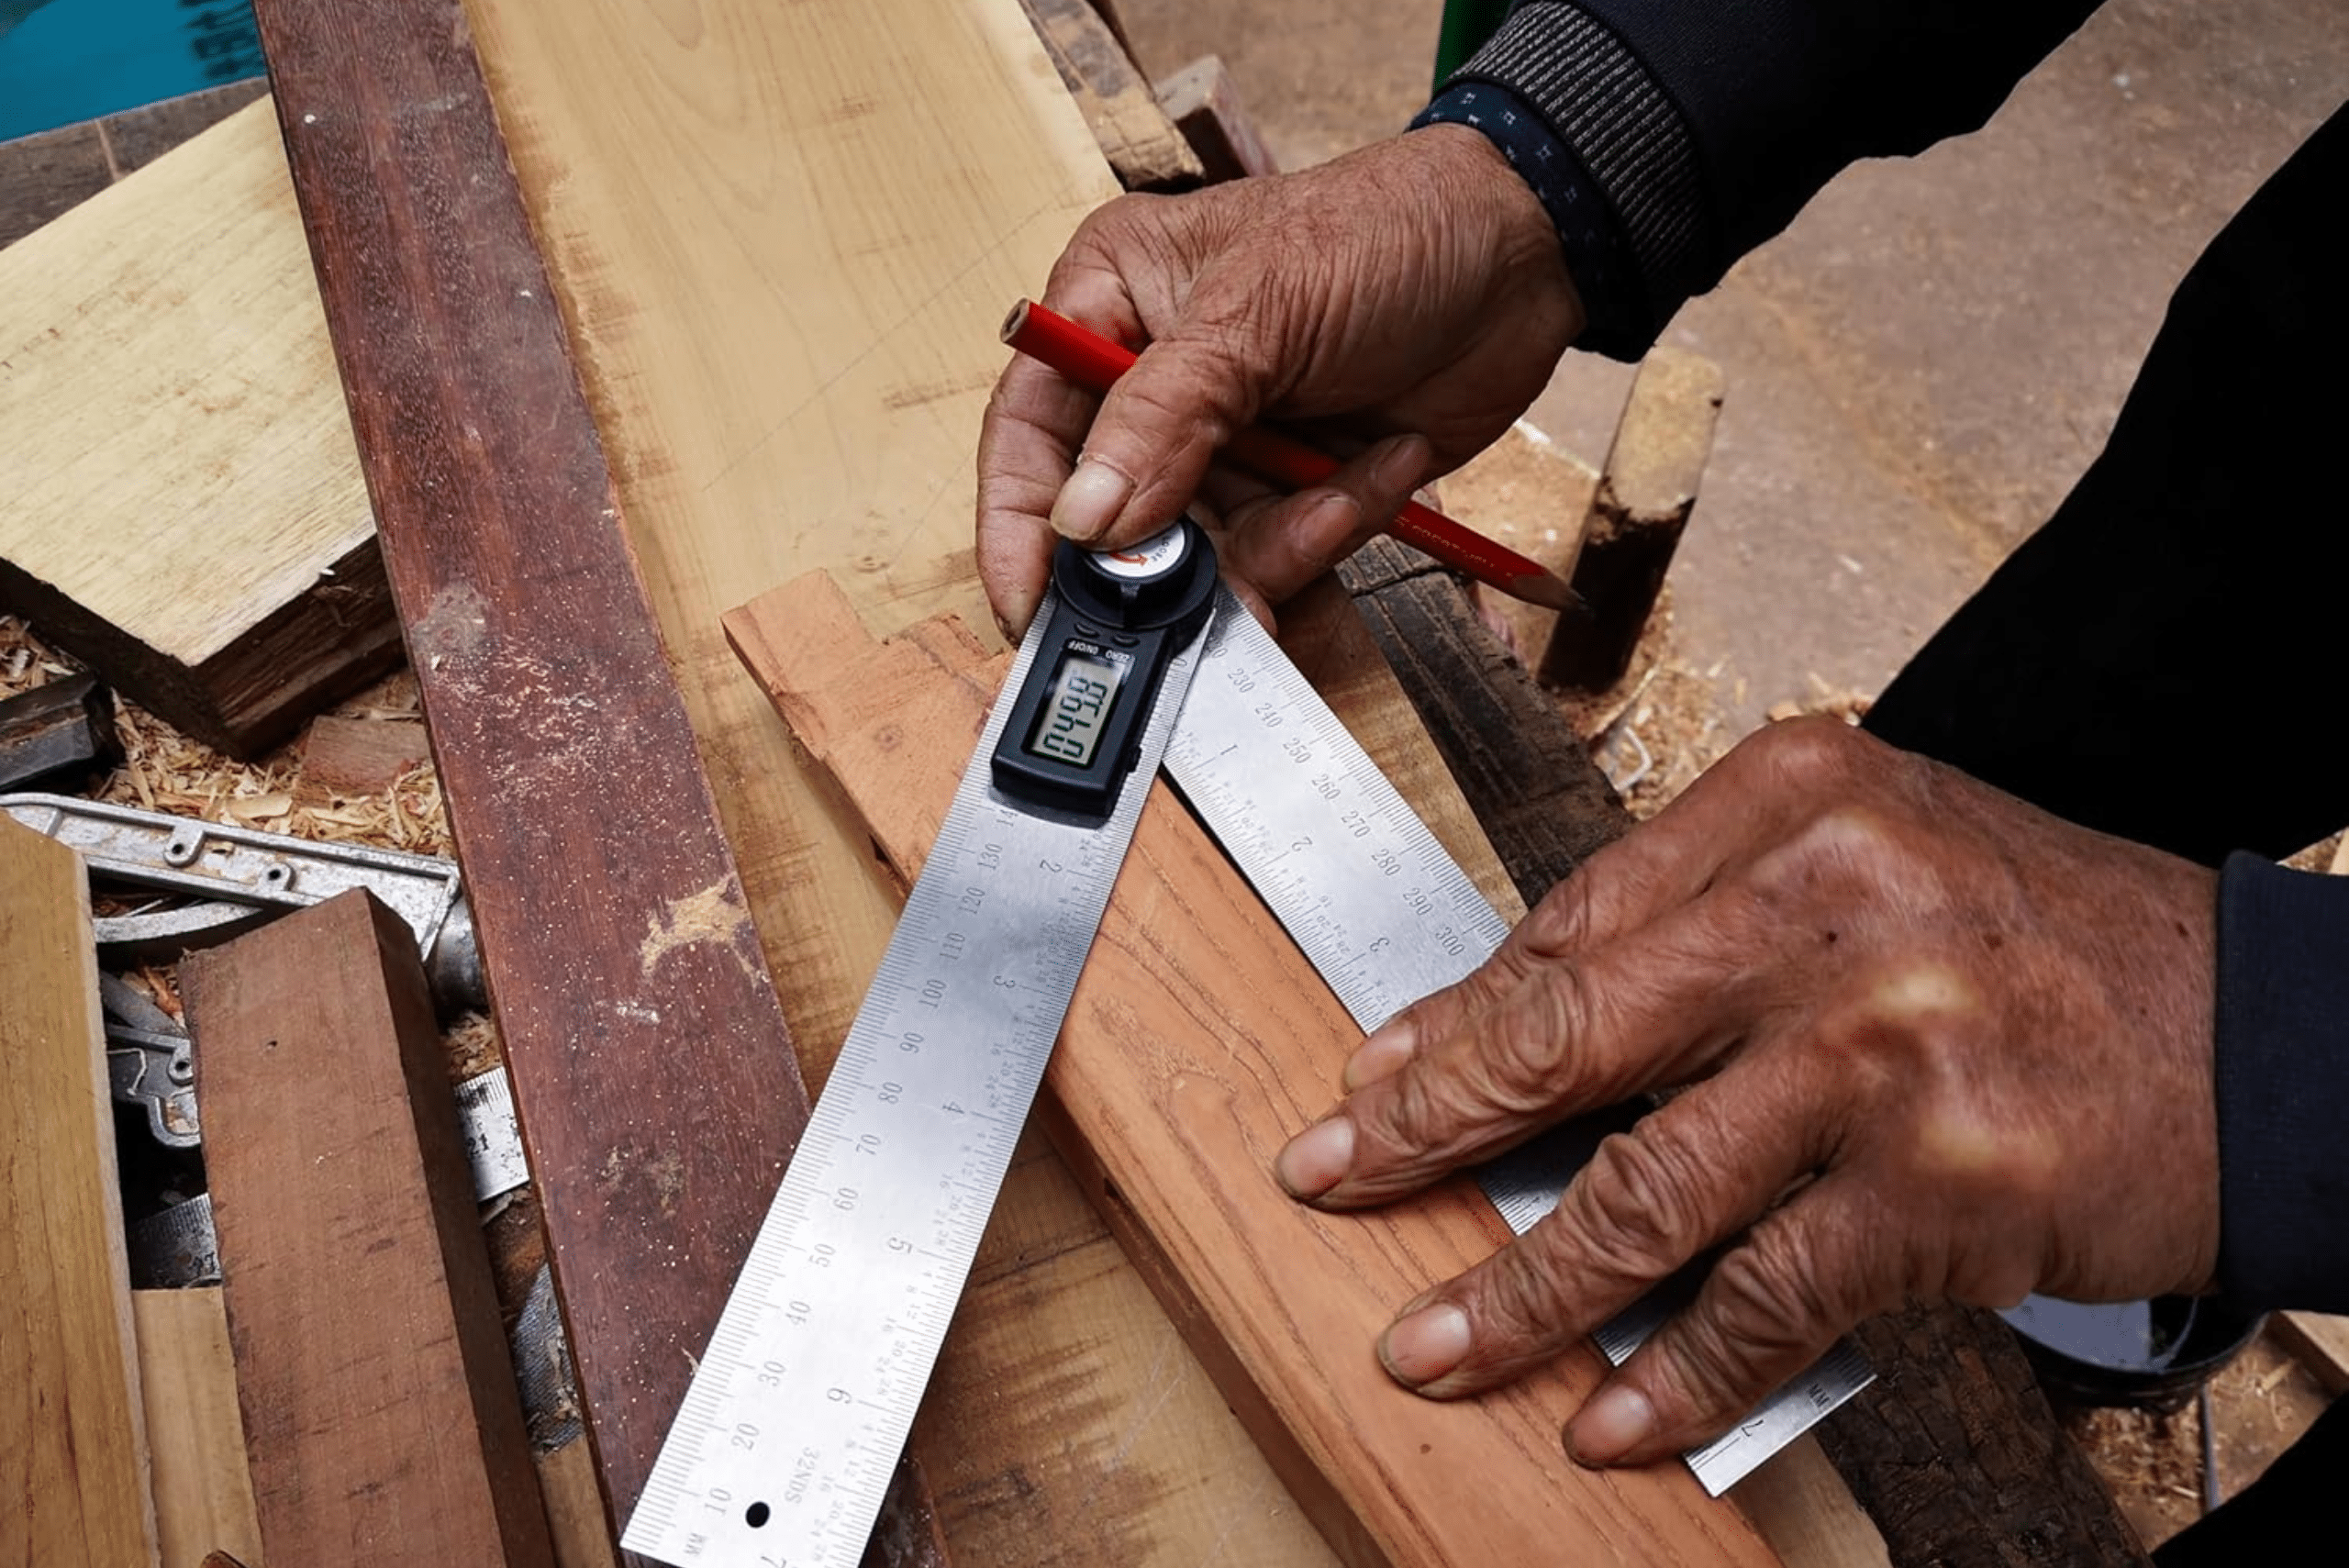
(1158, 428)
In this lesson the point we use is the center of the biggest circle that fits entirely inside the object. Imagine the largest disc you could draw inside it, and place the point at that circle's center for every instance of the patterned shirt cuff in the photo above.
(1597, 253)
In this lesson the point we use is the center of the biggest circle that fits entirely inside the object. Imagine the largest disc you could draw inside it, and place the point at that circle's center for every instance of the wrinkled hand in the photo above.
(1415, 288)
(1936, 1044)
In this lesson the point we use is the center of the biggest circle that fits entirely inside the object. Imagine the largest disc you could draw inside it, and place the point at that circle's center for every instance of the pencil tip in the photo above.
(1013, 322)
(1546, 589)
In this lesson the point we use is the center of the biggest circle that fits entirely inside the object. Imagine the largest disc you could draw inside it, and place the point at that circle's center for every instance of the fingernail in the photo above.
(1618, 1419)
(1423, 1346)
(1090, 501)
(1323, 532)
(1316, 1159)
(1399, 467)
(1381, 1054)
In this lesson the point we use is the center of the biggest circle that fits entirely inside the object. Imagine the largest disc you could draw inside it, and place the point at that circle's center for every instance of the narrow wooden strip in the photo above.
(1198, 1036)
(1953, 1451)
(204, 1494)
(1136, 135)
(657, 1087)
(382, 1420)
(73, 1466)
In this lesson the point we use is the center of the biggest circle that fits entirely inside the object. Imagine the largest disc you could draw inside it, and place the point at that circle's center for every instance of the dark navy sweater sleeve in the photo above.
(2283, 1086)
(1704, 125)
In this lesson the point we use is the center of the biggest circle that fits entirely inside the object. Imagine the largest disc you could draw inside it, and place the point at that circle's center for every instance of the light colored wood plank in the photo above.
(1807, 1513)
(181, 469)
(1197, 1039)
(382, 1421)
(73, 1464)
(575, 1515)
(203, 1495)
(783, 236)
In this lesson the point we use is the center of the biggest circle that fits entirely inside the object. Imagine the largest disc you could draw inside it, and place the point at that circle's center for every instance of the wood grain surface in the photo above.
(1198, 1038)
(382, 1420)
(73, 1464)
(184, 509)
(203, 1492)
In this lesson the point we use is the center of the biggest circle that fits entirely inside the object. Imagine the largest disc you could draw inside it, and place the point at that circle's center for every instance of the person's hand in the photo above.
(1414, 290)
(1934, 1043)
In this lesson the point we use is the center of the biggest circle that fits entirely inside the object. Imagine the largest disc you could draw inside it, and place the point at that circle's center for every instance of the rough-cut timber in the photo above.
(184, 509)
(1953, 1450)
(1139, 139)
(1198, 1038)
(658, 1091)
(382, 1420)
(1646, 491)
(72, 1433)
(1204, 103)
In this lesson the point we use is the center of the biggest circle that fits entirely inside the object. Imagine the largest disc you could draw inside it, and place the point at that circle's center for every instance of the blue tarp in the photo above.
(65, 61)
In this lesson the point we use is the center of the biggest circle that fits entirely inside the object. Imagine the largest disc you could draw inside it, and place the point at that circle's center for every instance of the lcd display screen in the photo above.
(1069, 729)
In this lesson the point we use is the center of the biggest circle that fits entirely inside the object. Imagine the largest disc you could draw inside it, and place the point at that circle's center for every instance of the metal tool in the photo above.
(1386, 916)
(232, 879)
(798, 1413)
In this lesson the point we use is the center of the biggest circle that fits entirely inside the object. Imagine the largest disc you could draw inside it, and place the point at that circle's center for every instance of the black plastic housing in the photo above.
(1120, 606)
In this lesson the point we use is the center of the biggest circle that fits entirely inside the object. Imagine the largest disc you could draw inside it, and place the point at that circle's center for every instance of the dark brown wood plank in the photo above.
(382, 1420)
(1953, 1450)
(41, 176)
(658, 1090)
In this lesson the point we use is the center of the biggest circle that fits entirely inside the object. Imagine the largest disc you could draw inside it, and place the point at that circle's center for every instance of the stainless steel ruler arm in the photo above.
(800, 1407)
(1386, 916)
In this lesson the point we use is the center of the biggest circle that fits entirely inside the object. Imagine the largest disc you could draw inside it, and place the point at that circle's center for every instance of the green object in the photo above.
(1466, 25)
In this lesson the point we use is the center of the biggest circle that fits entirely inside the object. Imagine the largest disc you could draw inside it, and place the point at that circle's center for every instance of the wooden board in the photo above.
(380, 1416)
(72, 1434)
(204, 1494)
(1197, 1039)
(185, 511)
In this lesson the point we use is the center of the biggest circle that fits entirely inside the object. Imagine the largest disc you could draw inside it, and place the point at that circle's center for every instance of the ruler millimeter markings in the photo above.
(796, 1416)
(1386, 916)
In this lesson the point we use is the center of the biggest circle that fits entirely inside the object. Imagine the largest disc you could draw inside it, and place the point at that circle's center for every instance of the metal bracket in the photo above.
(231, 879)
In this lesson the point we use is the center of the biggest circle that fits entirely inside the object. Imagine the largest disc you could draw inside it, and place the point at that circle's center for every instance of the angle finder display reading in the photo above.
(1084, 688)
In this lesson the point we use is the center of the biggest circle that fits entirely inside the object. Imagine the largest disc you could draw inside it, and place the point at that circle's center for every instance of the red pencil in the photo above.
(1093, 361)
